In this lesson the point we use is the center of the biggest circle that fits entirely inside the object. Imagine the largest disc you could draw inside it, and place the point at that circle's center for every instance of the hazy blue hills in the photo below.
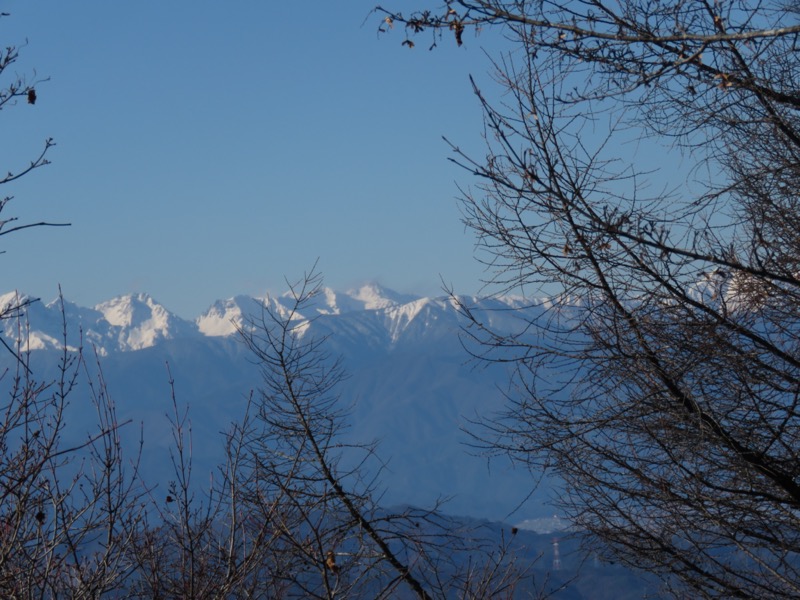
(411, 385)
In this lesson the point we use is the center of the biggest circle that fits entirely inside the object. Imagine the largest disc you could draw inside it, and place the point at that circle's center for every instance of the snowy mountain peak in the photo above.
(330, 302)
(137, 321)
(131, 310)
(224, 317)
(12, 299)
(373, 296)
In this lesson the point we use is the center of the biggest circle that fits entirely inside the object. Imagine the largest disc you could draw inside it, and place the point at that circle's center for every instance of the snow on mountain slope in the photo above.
(137, 321)
(375, 297)
(11, 299)
(15, 325)
(330, 302)
(126, 323)
(40, 326)
(224, 316)
(384, 313)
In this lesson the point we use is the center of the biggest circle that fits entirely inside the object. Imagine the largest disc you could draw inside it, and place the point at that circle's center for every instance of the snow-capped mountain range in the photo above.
(137, 321)
(412, 386)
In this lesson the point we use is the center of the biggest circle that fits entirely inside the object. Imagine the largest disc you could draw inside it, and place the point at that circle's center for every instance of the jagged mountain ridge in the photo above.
(411, 385)
(137, 321)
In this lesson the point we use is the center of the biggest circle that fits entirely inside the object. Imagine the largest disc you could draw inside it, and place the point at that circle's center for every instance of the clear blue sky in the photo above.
(206, 149)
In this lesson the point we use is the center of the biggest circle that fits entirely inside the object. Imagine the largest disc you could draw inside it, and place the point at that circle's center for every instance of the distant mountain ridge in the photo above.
(136, 321)
(411, 384)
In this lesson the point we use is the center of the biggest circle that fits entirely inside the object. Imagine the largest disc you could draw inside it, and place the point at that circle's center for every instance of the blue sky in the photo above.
(207, 149)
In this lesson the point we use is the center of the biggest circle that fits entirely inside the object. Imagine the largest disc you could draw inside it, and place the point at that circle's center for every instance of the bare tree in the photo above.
(69, 505)
(337, 540)
(14, 89)
(318, 496)
(661, 379)
(199, 542)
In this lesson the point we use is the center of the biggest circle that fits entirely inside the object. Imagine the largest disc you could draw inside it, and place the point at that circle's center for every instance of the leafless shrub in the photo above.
(662, 384)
